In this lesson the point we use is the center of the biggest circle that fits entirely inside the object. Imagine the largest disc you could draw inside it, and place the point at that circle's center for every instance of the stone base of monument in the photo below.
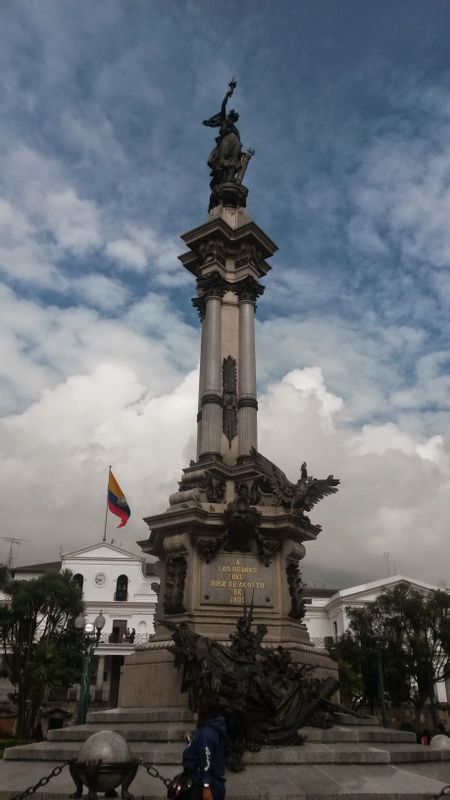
(359, 761)
(149, 678)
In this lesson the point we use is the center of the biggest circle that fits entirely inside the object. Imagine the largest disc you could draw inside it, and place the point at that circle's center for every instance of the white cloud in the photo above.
(142, 249)
(364, 223)
(42, 220)
(44, 345)
(59, 450)
(401, 194)
(394, 487)
(380, 439)
(310, 382)
(102, 292)
(127, 253)
(393, 494)
(74, 223)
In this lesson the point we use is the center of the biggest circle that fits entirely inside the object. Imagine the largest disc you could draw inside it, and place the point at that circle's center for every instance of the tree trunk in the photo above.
(22, 721)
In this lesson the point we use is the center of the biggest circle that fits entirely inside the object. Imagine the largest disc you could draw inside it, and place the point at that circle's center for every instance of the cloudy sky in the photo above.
(103, 167)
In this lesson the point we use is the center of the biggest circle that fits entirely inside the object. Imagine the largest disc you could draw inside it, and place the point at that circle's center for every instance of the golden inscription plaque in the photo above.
(234, 580)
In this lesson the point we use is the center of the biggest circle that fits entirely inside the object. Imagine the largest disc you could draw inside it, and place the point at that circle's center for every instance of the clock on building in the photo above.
(100, 579)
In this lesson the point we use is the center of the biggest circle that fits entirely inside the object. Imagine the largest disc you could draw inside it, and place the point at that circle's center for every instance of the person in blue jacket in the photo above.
(204, 757)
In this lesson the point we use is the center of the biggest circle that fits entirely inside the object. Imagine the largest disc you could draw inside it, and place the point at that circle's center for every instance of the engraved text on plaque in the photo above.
(234, 580)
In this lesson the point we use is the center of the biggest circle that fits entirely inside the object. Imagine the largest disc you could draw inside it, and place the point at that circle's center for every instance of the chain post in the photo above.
(42, 782)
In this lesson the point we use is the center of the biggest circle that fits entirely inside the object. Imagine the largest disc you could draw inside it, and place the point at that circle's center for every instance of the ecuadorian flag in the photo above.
(117, 502)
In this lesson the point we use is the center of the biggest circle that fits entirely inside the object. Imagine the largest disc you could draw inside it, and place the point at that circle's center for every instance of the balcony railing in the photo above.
(109, 638)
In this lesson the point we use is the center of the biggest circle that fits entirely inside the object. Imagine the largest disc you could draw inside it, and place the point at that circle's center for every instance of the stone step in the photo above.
(143, 715)
(131, 731)
(175, 732)
(341, 718)
(165, 714)
(310, 753)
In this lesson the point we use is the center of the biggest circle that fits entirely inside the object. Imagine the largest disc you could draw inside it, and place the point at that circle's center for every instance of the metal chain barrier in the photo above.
(42, 782)
(154, 773)
(151, 769)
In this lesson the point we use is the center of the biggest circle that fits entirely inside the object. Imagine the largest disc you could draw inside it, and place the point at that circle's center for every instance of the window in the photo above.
(335, 631)
(121, 593)
(79, 580)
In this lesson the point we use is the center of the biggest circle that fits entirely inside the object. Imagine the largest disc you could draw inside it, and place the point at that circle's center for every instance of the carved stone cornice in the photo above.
(212, 251)
(248, 256)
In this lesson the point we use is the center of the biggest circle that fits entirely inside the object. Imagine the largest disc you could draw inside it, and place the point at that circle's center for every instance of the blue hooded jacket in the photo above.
(204, 757)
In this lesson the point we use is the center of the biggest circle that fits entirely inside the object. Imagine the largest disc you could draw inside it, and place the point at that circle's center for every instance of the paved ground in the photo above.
(289, 782)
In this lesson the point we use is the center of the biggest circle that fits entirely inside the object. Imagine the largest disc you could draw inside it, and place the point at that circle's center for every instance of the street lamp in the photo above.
(90, 637)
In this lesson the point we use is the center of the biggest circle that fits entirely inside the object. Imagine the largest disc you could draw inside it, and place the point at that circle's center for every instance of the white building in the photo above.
(123, 587)
(327, 619)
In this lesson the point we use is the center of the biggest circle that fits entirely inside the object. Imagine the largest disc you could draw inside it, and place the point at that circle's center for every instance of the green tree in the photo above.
(39, 641)
(347, 652)
(413, 630)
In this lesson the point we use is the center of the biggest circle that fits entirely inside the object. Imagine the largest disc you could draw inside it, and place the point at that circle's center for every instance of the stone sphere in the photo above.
(112, 750)
(440, 742)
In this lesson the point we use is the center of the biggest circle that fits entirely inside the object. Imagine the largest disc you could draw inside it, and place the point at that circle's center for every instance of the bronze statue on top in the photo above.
(227, 161)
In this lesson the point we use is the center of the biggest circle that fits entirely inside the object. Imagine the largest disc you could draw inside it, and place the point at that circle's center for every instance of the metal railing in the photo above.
(139, 638)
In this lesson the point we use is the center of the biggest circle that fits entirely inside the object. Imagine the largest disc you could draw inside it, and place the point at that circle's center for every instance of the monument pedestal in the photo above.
(233, 535)
(225, 543)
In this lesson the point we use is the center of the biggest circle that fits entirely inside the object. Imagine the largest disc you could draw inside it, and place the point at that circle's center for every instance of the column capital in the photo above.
(210, 285)
(248, 290)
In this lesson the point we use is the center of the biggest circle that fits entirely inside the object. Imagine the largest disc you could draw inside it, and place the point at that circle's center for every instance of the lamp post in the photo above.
(427, 660)
(377, 640)
(90, 637)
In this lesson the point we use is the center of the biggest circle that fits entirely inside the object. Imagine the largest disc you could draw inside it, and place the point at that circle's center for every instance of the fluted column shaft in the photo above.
(211, 397)
(201, 385)
(247, 402)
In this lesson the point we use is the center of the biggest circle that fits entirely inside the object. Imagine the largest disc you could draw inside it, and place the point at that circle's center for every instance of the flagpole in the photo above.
(107, 506)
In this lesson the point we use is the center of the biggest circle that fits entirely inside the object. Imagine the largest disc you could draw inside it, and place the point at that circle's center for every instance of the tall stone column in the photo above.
(201, 381)
(210, 425)
(248, 290)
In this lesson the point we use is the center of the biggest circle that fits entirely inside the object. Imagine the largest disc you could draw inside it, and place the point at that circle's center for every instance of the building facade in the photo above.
(122, 586)
(327, 612)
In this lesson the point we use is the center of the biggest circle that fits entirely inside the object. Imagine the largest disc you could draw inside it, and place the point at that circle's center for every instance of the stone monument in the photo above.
(229, 548)
(235, 531)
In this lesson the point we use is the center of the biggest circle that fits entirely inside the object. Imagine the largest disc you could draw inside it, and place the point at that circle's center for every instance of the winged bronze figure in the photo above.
(301, 496)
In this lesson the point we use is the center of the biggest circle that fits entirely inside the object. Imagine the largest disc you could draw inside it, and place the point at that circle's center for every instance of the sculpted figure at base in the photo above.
(265, 696)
